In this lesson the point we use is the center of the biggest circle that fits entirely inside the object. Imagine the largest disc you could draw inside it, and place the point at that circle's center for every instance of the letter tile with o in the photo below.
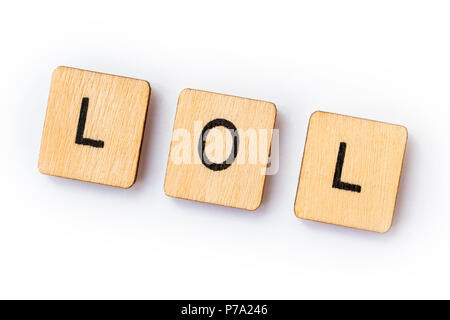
(220, 149)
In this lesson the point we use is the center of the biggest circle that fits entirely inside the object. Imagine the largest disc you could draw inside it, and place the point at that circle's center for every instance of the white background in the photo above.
(381, 60)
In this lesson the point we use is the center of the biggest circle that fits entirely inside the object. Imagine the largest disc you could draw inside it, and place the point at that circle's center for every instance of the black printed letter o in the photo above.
(202, 141)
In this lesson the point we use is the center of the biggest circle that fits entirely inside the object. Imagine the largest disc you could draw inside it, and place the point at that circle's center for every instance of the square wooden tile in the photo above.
(93, 127)
(219, 150)
(350, 171)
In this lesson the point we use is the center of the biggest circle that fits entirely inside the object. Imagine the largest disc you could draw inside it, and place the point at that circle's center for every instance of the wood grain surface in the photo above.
(241, 184)
(373, 161)
(116, 113)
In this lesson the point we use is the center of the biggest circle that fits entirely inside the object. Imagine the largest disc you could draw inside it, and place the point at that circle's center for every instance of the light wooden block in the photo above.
(237, 183)
(350, 171)
(93, 127)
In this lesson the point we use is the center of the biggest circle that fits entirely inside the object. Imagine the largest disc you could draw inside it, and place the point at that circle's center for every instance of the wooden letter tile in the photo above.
(350, 171)
(93, 127)
(220, 148)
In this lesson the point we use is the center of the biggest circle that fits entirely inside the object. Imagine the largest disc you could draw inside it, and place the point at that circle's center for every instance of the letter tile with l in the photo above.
(94, 127)
(350, 171)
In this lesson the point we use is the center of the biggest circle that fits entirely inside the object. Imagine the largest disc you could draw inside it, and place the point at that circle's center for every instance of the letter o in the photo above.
(202, 141)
